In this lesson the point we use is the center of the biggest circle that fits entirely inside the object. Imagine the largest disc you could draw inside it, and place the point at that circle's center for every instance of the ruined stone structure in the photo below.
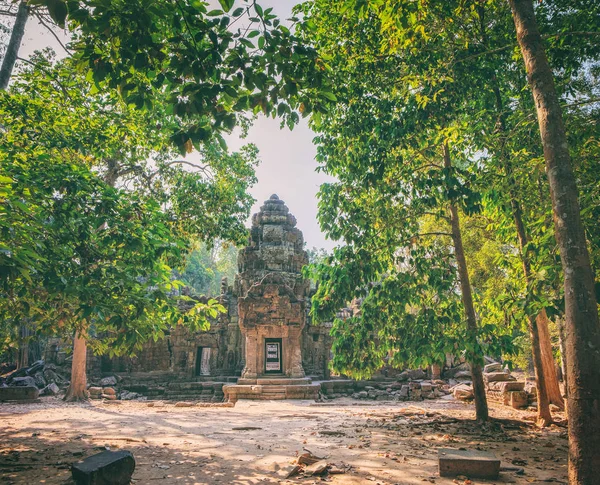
(273, 297)
(272, 294)
(265, 333)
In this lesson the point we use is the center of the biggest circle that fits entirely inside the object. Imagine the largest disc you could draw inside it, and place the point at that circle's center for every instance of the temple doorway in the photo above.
(203, 361)
(273, 356)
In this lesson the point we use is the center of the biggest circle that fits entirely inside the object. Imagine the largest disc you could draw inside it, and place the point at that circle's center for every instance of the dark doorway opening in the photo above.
(203, 361)
(273, 357)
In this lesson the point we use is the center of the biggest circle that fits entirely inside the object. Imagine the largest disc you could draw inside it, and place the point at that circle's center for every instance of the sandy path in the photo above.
(387, 443)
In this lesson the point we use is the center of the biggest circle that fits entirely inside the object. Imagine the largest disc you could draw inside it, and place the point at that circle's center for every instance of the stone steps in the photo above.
(274, 381)
(285, 390)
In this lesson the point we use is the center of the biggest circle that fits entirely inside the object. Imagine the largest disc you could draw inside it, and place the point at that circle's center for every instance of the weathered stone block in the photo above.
(40, 382)
(519, 399)
(108, 381)
(498, 376)
(106, 468)
(50, 390)
(426, 387)
(462, 392)
(23, 382)
(506, 386)
(19, 393)
(470, 463)
(495, 367)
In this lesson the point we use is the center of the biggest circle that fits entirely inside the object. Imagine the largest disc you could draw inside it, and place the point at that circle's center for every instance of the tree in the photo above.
(581, 310)
(472, 50)
(48, 17)
(398, 113)
(115, 214)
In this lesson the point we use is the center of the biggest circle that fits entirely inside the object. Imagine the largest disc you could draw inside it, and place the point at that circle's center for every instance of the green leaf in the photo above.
(328, 95)
(58, 11)
(226, 4)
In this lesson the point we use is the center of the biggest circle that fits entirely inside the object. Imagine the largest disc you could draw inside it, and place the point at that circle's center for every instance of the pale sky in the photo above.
(287, 157)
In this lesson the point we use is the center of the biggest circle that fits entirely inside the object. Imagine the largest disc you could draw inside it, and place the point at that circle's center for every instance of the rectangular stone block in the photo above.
(106, 468)
(470, 463)
(20, 393)
(519, 399)
(495, 367)
(506, 386)
(498, 376)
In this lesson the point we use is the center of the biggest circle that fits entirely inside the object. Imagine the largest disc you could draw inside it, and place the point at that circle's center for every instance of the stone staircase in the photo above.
(272, 388)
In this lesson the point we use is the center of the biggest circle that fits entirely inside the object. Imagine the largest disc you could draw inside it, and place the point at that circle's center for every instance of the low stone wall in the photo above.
(385, 390)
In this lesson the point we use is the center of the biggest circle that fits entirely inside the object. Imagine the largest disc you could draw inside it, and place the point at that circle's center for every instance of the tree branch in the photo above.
(39, 17)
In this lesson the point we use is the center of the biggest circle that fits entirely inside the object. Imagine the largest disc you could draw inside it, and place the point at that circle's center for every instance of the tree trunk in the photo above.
(23, 355)
(23, 360)
(77, 390)
(562, 342)
(12, 50)
(547, 386)
(481, 407)
(548, 363)
(582, 327)
(544, 417)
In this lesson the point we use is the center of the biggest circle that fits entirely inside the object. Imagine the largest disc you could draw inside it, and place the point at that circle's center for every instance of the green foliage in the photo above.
(209, 71)
(206, 266)
(409, 77)
(95, 213)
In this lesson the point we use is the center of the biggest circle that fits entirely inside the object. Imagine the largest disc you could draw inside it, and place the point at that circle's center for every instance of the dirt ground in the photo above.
(256, 441)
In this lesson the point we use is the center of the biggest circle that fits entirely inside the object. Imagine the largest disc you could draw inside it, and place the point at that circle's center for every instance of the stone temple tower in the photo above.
(272, 305)
(272, 294)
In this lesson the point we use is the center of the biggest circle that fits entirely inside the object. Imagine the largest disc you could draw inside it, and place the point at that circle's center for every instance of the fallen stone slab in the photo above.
(495, 367)
(498, 376)
(108, 381)
(38, 365)
(23, 382)
(519, 399)
(105, 468)
(316, 469)
(470, 463)
(506, 386)
(462, 392)
(290, 471)
(19, 393)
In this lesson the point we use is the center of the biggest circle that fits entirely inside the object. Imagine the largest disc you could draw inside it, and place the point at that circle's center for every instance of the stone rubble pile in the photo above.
(28, 383)
(504, 388)
(410, 386)
(413, 391)
(501, 386)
